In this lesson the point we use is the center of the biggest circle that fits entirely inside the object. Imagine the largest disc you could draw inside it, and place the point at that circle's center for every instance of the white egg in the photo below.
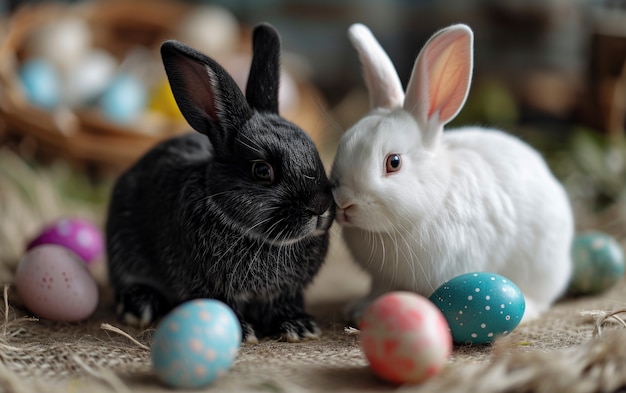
(210, 29)
(53, 283)
(288, 98)
(89, 78)
(62, 42)
(238, 66)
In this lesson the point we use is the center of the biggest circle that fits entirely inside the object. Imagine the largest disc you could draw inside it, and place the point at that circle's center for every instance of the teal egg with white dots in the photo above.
(195, 343)
(598, 263)
(479, 306)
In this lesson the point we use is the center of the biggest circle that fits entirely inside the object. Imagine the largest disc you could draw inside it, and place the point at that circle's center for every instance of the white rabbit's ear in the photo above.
(379, 73)
(441, 79)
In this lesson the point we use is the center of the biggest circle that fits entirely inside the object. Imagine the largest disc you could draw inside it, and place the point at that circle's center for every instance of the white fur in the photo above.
(470, 199)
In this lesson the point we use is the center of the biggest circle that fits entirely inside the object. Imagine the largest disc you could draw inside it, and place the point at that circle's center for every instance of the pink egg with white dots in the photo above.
(78, 235)
(405, 338)
(53, 283)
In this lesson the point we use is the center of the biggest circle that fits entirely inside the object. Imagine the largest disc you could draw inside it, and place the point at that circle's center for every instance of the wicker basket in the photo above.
(83, 136)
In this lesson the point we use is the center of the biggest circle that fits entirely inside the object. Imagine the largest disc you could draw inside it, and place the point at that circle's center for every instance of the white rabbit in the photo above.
(419, 206)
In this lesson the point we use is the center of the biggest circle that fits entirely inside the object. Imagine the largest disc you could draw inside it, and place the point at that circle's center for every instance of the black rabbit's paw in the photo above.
(140, 305)
(354, 312)
(300, 328)
(248, 334)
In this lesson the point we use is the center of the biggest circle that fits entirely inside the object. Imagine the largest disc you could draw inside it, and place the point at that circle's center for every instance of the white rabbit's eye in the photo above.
(393, 163)
(263, 172)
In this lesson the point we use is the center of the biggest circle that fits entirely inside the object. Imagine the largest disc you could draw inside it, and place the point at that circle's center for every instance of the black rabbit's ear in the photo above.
(262, 87)
(207, 96)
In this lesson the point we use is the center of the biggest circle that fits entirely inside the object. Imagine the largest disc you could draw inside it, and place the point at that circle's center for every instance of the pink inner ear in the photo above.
(197, 82)
(202, 93)
(449, 63)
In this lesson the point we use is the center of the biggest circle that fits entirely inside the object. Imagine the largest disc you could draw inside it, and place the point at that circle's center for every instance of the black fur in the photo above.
(190, 220)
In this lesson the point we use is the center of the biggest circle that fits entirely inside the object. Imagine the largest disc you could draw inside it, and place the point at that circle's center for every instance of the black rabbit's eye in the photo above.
(263, 172)
(393, 163)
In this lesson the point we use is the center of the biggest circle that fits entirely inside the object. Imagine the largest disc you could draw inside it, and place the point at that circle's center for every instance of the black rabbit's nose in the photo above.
(321, 203)
(321, 207)
(325, 220)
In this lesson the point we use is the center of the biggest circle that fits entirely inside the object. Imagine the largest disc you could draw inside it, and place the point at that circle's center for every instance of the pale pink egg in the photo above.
(405, 338)
(55, 284)
(79, 235)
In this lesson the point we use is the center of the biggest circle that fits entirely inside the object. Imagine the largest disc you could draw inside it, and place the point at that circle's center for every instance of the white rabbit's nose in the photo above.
(344, 206)
(343, 198)
(343, 214)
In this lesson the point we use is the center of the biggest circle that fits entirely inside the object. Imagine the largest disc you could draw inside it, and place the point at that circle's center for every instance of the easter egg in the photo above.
(598, 263)
(238, 66)
(78, 235)
(195, 343)
(162, 101)
(124, 99)
(41, 82)
(404, 337)
(479, 306)
(89, 77)
(55, 284)
(211, 29)
(61, 40)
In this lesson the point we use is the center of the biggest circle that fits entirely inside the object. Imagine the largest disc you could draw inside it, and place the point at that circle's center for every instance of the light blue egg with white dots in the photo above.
(479, 306)
(195, 343)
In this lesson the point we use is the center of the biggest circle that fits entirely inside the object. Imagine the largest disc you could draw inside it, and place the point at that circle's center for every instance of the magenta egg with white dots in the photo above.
(53, 283)
(78, 235)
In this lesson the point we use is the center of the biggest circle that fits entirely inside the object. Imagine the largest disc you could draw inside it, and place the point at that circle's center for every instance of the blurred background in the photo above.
(83, 94)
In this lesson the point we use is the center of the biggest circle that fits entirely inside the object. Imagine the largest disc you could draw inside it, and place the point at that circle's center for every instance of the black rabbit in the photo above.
(238, 211)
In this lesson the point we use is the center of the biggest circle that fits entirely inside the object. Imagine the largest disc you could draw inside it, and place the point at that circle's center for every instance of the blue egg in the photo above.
(479, 306)
(195, 343)
(41, 82)
(124, 99)
(598, 263)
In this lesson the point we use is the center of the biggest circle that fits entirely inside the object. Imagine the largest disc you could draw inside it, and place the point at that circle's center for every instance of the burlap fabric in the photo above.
(575, 347)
